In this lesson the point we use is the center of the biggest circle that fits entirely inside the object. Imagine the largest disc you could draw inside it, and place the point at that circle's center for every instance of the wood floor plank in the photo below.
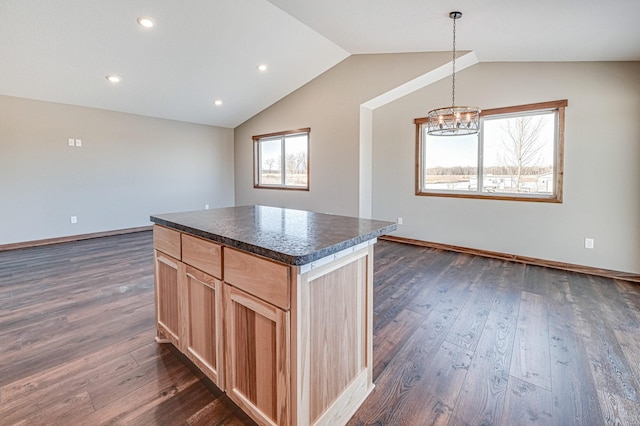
(481, 399)
(510, 277)
(67, 410)
(77, 342)
(575, 400)
(402, 375)
(609, 366)
(618, 411)
(617, 311)
(220, 412)
(447, 287)
(154, 372)
(173, 408)
(630, 345)
(388, 341)
(148, 352)
(633, 302)
(527, 404)
(412, 276)
(530, 361)
(429, 295)
(388, 305)
(141, 409)
(391, 260)
(54, 348)
(470, 322)
(93, 366)
(454, 286)
(48, 391)
(557, 293)
(433, 401)
(626, 287)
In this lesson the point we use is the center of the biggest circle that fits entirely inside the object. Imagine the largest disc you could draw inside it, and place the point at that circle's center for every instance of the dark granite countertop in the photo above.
(295, 237)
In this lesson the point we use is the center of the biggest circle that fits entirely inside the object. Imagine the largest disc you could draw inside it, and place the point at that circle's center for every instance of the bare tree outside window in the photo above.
(523, 145)
(297, 163)
(269, 163)
(518, 153)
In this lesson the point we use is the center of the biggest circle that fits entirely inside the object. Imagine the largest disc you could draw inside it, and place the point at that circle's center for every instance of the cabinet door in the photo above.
(257, 345)
(167, 285)
(203, 338)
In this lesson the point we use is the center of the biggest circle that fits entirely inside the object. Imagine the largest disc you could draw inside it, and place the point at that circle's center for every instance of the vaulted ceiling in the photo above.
(205, 50)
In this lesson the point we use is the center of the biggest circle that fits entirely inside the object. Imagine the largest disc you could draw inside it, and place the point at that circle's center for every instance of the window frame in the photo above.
(541, 107)
(257, 160)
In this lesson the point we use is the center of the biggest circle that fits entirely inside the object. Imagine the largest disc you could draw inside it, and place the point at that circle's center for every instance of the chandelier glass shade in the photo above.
(453, 120)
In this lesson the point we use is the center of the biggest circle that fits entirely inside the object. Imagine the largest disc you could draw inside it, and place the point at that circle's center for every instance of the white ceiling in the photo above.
(497, 30)
(202, 50)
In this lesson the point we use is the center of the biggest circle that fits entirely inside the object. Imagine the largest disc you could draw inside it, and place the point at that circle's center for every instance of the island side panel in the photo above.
(334, 331)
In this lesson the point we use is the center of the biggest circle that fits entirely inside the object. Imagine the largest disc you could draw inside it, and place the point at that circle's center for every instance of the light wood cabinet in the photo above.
(291, 345)
(203, 338)
(167, 241)
(168, 272)
(202, 254)
(189, 302)
(257, 348)
(265, 279)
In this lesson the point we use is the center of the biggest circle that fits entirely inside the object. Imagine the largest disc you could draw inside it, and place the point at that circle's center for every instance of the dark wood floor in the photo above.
(459, 339)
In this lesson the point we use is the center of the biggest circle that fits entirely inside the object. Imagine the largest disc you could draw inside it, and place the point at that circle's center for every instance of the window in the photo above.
(517, 155)
(281, 160)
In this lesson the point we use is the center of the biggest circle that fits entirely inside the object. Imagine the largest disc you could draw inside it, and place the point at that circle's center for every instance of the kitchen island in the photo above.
(274, 305)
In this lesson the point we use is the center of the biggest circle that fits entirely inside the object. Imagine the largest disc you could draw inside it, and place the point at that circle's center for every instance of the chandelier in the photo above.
(453, 120)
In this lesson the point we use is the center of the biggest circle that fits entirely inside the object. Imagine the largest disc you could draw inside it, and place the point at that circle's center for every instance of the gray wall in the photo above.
(602, 150)
(601, 180)
(330, 106)
(128, 168)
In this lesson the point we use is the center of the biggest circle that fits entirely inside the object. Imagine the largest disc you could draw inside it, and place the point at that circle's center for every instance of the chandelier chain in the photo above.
(453, 120)
(453, 76)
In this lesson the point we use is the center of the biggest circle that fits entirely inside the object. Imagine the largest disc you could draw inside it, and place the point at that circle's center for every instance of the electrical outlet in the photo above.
(589, 243)
(399, 221)
(74, 219)
(72, 142)
(78, 142)
(206, 206)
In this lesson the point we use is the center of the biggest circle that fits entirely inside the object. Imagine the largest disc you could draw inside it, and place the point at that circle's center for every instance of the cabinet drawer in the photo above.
(260, 277)
(167, 241)
(202, 254)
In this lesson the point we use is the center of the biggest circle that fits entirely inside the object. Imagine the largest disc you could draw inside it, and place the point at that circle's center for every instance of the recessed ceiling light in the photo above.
(146, 22)
(113, 78)
(218, 102)
(262, 67)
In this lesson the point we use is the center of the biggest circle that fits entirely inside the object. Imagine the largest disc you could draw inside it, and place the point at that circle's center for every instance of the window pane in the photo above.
(450, 163)
(270, 154)
(282, 160)
(519, 154)
(296, 163)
